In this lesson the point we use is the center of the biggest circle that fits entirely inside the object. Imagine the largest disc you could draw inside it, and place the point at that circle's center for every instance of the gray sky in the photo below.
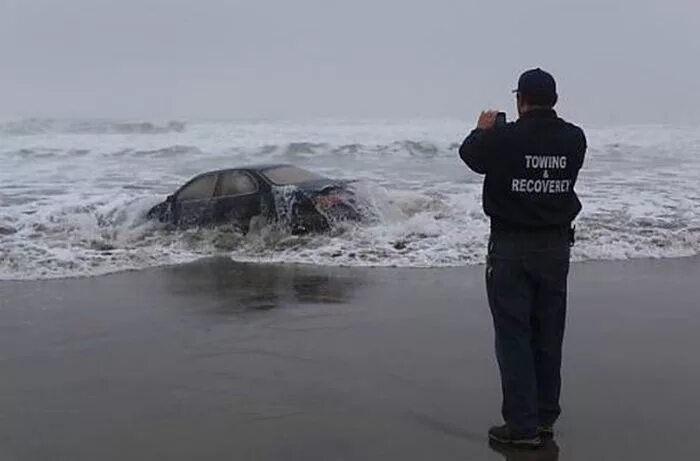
(616, 61)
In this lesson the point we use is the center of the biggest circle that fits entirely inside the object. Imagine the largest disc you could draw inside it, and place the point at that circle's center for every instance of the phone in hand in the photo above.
(500, 120)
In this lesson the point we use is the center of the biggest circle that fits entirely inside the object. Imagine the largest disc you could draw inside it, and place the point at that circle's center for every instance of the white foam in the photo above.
(74, 203)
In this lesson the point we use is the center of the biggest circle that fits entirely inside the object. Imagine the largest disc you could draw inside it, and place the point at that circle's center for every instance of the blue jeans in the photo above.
(526, 281)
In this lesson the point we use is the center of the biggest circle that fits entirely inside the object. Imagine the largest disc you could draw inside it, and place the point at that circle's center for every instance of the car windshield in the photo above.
(289, 175)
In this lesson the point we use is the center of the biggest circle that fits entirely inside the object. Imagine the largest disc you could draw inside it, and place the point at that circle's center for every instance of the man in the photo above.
(531, 167)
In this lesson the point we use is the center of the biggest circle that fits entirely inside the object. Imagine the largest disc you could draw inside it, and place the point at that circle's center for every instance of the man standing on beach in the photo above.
(531, 166)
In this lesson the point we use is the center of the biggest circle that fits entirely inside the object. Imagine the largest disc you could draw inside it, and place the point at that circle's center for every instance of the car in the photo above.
(282, 193)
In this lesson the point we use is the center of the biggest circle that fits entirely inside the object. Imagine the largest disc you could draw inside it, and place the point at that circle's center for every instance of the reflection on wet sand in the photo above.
(240, 287)
(548, 452)
(176, 363)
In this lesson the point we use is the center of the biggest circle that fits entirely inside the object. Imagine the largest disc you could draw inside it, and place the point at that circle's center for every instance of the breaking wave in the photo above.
(44, 126)
(290, 152)
(405, 148)
(76, 205)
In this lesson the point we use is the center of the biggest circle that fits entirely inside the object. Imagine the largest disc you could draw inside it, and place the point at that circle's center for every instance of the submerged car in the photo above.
(301, 199)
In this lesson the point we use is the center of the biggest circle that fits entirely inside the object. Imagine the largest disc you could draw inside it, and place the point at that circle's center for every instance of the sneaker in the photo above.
(548, 452)
(504, 435)
(545, 430)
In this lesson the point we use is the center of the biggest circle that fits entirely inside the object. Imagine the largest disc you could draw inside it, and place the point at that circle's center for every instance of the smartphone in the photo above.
(500, 119)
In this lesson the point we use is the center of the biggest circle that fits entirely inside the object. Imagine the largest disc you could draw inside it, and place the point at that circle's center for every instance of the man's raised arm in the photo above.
(479, 147)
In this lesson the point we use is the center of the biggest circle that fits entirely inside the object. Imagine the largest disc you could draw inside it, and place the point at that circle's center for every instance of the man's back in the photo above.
(531, 168)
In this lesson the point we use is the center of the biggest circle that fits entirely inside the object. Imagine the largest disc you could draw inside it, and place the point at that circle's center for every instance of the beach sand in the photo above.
(217, 360)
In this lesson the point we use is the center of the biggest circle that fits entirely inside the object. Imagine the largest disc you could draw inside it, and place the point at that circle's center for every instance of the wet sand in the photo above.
(217, 360)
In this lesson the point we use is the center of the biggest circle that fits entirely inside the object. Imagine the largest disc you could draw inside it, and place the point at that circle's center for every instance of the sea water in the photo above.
(74, 194)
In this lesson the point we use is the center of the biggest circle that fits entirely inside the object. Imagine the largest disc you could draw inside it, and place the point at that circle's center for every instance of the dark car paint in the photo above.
(240, 209)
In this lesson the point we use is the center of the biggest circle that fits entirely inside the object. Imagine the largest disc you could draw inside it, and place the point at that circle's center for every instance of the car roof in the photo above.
(257, 167)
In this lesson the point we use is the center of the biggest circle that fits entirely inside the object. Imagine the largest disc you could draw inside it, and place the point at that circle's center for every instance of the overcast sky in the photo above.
(616, 61)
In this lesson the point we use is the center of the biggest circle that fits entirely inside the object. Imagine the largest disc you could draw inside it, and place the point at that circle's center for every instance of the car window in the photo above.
(199, 189)
(237, 183)
(288, 175)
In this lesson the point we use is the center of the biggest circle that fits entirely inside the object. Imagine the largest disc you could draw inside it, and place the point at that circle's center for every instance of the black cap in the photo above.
(537, 82)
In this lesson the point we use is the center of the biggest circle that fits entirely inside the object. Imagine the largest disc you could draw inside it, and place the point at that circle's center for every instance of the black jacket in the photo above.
(531, 167)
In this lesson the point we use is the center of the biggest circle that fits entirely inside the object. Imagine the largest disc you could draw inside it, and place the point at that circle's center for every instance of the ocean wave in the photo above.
(44, 153)
(168, 152)
(30, 127)
(408, 229)
(401, 148)
(300, 151)
(293, 151)
(76, 205)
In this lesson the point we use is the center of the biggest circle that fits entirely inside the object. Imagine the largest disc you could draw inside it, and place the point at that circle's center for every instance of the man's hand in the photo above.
(487, 120)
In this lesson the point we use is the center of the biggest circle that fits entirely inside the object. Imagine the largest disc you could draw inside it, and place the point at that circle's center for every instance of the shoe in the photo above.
(549, 451)
(504, 435)
(545, 430)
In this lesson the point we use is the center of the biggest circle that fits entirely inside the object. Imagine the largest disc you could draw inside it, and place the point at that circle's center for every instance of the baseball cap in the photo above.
(536, 81)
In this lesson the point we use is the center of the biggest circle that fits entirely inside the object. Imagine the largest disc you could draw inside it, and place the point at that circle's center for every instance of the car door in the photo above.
(236, 199)
(194, 201)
